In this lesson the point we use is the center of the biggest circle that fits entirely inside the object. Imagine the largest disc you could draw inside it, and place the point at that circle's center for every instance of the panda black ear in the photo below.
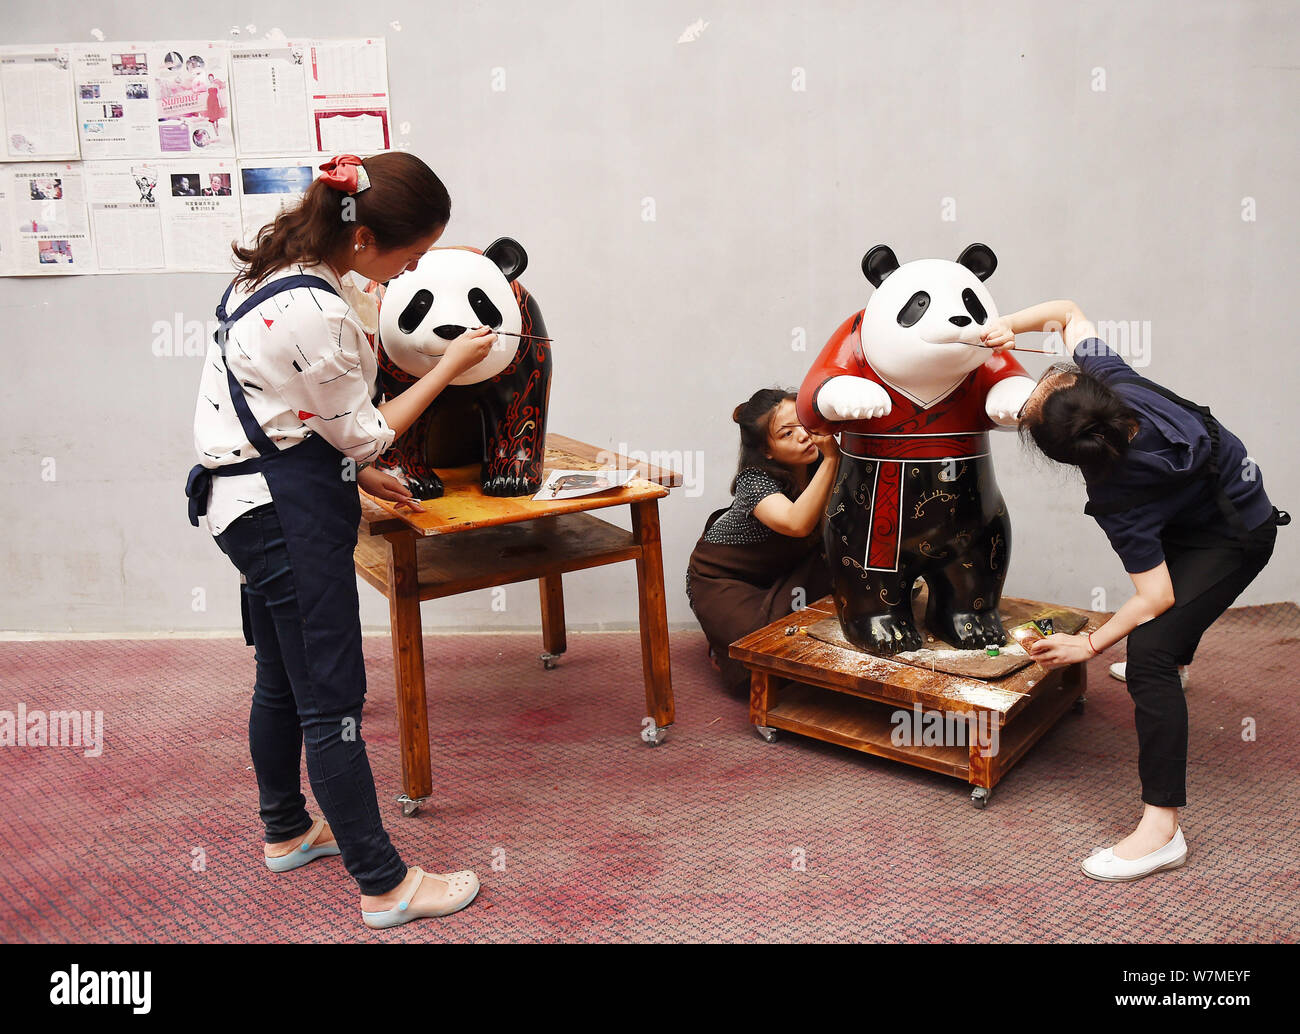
(509, 255)
(980, 260)
(878, 263)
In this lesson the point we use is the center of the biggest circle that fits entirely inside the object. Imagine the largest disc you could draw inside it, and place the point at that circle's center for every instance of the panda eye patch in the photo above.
(915, 308)
(973, 306)
(488, 314)
(416, 309)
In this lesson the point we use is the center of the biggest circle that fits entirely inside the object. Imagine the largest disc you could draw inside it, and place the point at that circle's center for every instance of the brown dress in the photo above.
(743, 575)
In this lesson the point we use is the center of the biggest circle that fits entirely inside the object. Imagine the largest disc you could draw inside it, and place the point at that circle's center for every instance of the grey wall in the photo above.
(1127, 199)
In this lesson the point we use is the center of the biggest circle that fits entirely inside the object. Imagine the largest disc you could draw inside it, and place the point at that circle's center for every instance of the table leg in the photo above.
(408, 664)
(653, 612)
(1075, 679)
(553, 638)
(759, 684)
(983, 761)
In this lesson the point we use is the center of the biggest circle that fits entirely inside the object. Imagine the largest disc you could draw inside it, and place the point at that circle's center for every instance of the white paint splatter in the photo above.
(98, 34)
(693, 31)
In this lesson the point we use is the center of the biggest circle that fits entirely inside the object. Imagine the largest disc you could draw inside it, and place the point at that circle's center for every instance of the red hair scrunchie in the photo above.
(346, 173)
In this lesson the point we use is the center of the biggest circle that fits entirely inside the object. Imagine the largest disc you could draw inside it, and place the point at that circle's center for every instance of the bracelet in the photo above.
(1094, 650)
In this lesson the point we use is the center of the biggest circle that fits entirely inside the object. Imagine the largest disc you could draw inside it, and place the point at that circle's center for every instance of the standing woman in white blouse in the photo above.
(285, 423)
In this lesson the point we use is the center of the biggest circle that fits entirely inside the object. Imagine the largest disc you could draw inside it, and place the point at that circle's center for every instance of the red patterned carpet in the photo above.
(606, 839)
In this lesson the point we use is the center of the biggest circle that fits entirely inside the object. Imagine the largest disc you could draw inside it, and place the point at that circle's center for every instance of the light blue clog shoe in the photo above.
(304, 852)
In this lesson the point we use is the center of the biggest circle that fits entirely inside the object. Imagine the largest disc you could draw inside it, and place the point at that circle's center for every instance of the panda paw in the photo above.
(852, 398)
(508, 485)
(972, 630)
(425, 485)
(885, 634)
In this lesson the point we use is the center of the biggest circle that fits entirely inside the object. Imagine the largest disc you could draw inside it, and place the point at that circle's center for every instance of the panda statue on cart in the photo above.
(913, 395)
(495, 412)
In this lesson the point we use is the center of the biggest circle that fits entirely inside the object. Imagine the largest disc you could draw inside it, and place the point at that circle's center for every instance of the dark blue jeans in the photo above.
(290, 710)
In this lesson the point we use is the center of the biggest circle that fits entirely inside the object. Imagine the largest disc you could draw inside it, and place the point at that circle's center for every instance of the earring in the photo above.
(358, 247)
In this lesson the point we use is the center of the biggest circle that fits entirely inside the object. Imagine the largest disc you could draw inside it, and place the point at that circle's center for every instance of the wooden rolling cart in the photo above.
(805, 685)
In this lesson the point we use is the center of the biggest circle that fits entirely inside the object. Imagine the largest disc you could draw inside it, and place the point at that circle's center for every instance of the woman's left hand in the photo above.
(385, 486)
(1060, 649)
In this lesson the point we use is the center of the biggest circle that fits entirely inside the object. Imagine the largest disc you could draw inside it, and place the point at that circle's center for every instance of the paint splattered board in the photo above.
(939, 656)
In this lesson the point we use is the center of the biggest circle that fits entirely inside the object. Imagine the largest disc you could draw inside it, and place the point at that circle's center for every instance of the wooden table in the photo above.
(467, 540)
(857, 700)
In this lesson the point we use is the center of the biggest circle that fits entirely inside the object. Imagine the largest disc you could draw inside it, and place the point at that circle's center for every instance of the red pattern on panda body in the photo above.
(519, 451)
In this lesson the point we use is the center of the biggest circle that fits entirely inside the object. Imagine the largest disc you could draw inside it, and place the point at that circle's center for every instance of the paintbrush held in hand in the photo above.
(507, 333)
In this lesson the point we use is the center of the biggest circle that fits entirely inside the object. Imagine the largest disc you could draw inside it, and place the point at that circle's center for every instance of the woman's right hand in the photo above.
(998, 335)
(470, 349)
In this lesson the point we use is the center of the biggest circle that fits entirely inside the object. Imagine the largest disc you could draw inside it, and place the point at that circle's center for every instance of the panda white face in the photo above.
(427, 308)
(921, 328)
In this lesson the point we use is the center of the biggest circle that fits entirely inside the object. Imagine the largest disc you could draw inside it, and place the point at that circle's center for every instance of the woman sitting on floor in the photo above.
(761, 557)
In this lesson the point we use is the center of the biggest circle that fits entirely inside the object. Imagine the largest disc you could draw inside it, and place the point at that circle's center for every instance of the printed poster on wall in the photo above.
(146, 100)
(38, 120)
(272, 114)
(125, 218)
(199, 204)
(270, 185)
(349, 96)
(45, 228)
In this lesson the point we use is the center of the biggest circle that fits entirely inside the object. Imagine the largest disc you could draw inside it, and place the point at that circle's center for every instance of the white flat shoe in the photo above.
(1117, 671)
(1105, 866)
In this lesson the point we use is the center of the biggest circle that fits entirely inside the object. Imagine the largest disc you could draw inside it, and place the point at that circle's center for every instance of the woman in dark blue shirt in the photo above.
(1184, 507)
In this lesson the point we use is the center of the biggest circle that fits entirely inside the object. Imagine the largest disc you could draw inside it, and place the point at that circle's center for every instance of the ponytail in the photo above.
(1083, 423)
(404, 202)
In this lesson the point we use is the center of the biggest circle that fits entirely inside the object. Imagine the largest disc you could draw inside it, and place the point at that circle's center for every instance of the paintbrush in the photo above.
(1017, 348)
(507, 333)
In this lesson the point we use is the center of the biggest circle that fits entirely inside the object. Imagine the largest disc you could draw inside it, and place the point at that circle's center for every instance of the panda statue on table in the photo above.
(495, 412)
(914, 394)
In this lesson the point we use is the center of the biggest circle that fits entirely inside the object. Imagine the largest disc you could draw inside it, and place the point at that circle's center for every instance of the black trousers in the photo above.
(1208, 574)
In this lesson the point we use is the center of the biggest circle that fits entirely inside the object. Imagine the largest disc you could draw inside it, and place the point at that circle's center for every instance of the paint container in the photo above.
(1029, 632)
(992, 651)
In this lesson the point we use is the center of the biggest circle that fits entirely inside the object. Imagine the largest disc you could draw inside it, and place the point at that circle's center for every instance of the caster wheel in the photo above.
(549, 660)
(979, 796)
(1078, 706)
(766, 733)
(410, 806)
(651, 734)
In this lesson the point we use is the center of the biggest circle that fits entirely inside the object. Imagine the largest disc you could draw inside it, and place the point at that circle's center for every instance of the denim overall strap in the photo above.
(252, 429)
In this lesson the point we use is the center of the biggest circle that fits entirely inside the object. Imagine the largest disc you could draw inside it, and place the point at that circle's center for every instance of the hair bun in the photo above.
(735, 413)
